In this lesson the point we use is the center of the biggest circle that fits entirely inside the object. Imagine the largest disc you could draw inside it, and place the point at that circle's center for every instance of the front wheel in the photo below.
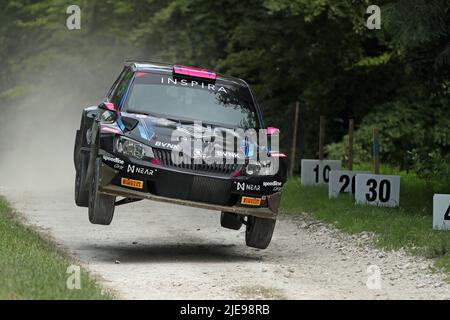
(259, 231)
(101, 206)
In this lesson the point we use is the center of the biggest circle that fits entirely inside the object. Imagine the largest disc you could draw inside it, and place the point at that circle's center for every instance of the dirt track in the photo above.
(160, 251)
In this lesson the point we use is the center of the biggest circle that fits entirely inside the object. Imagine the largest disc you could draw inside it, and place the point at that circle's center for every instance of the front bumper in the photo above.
(273, 200)
(169, 186)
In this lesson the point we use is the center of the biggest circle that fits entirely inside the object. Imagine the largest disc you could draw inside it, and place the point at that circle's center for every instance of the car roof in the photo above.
(149, 66)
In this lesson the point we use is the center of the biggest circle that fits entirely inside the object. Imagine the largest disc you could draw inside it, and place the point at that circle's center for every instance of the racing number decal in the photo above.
(316, 170)
(325, 173)
(372, 184)
(447, 214)
(385, 190)
(345, 180)
(382, 192)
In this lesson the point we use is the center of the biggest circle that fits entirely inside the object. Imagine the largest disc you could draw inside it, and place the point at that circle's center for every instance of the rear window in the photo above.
(220, 103)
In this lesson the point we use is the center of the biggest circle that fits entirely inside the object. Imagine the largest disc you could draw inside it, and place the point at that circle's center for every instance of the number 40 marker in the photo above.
(441, 212)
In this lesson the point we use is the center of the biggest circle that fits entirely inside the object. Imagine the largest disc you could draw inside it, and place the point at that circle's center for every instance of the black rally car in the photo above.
(163, 133)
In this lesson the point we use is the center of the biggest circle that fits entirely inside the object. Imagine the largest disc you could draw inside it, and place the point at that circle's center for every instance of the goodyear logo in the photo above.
(137, 184)
(251, 201)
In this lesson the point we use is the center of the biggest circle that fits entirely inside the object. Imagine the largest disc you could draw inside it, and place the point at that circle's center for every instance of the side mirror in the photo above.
(129, 123)
(107, 106)
(109, 115)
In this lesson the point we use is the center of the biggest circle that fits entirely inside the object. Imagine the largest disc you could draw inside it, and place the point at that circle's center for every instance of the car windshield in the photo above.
(220, 103)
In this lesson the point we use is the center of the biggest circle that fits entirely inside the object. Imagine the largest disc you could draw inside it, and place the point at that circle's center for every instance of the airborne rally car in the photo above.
(182, 135)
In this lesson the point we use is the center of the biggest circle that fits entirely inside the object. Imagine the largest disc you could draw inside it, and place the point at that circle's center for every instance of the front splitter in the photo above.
(267, 213)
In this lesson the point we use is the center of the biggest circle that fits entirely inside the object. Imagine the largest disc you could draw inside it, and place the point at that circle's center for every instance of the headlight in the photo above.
(132, 148)
(253, 169)
(262, 168)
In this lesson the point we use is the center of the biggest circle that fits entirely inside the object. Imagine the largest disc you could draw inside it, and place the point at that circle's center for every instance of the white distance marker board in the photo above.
(377, 190)
(342, 181)
(316, 172)
(441, 212)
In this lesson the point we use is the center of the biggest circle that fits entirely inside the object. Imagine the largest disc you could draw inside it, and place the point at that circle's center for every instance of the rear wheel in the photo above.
(259, 232)
(230, 220)
(101, 206)
(81, 192)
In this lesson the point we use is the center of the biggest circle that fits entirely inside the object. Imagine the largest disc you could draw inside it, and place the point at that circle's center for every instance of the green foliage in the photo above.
(421, 29)
(414, 124)
(319, 52)
(31, 268)
(411, 137)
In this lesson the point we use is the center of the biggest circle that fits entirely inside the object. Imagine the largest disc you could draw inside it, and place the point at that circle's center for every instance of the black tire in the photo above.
(81, 192)
(79, 139)
(76, 148)
(230, 220)
(101, 206)
(259, 232)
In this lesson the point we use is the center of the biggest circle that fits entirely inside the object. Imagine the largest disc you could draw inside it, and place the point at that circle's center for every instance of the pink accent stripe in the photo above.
(278, 155)
(109, 106)
(140, 74)
(236, 174)
(155, 161)
(194, 72)
(110, 130)
(272, 130)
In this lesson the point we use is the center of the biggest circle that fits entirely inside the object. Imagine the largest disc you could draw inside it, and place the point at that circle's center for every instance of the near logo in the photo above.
(251, 201)
(247, 187)
(137, 184)
(143, 171)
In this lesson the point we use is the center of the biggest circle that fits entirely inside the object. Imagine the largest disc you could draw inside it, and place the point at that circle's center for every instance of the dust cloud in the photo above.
(37, 135)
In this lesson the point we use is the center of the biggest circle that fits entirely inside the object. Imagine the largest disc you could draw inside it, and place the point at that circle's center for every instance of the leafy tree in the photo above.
(318, 52)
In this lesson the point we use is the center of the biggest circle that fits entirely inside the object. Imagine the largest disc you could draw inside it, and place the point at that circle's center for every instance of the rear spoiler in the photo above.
(194, 72)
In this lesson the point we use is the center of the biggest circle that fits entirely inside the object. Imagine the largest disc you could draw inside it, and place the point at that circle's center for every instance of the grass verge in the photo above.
(409, 226)
(33, 268)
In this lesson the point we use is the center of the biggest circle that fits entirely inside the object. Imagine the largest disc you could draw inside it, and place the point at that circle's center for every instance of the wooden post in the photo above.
(351, 127)
(321, 137)
(294, 139)
(376, 151)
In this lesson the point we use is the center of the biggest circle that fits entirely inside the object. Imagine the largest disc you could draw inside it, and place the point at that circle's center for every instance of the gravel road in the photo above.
(161, 251)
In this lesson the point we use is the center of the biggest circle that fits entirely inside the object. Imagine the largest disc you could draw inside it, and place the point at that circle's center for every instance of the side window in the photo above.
(114, 85)
(121, 87)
